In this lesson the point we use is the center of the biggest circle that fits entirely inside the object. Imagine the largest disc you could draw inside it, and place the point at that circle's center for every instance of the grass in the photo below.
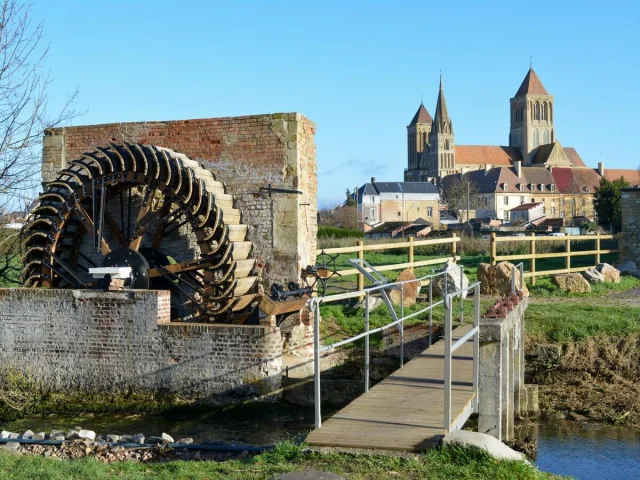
(449, 462)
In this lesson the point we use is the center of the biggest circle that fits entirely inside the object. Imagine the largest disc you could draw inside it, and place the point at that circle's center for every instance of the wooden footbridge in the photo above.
(419, 403)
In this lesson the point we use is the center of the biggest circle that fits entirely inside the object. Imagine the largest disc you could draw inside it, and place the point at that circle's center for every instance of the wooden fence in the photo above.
(567, 254)
(410, 245)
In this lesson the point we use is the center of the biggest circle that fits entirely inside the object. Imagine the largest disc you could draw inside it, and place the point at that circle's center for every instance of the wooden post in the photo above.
(598, 248)
(532, 251)
(361, 257)
(567, 262)
(492, 240)
(454, 246)
(620, 248)
(411, 252)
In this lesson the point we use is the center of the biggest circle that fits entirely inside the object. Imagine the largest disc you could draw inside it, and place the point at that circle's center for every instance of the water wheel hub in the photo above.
(125, 257)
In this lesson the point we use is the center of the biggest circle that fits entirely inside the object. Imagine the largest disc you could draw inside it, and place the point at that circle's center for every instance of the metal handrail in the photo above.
(314, 306)
(520, 267)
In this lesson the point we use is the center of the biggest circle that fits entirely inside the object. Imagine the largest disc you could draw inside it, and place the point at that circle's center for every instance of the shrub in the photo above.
(338, 233)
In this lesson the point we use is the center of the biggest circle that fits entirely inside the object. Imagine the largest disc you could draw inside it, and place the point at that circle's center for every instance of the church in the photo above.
(433, 153)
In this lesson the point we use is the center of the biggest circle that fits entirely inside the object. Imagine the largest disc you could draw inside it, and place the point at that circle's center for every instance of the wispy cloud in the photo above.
(357, 166)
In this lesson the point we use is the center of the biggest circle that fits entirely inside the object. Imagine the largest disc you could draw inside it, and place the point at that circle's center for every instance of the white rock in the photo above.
(185, 441)
(449, 282)
(482, 441)
(113, 438)
(87, 434)
(138, 438)
(593, 276)
(28, 435)
(4, 434)
(40, 436)
(627, 266)
(374, 302)
(167, 438)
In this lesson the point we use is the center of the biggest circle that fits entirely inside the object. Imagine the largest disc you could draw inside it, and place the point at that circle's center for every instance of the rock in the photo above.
(4, 434)
(41, 436)
(185, 441)
(571, 282)
(374, 302)
(13, 436)
(496, 279)
(138, 438)
(87, 434)
(101, 439)
(627, 266)
(166, 438)
(113, 438)
(410, 289)
(55, 433)
(72, 435)
(450, 281)
(154, 440)
(58, 438)
(126, 438)
(593, 276)
(28, 435)
(11, 448)
(611, 274)
(482, 441)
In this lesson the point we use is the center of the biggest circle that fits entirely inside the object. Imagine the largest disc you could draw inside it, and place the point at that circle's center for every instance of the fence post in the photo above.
(620, 248)
(366, 345)
(411, 252)
(454, 246)
(598, 248)
(567, 262)
(360, 257)
(492, 240)
(532, 251)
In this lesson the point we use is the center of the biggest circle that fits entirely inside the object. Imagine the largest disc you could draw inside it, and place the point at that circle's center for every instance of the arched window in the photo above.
(531, 109)
(545, 137)
(550, 112)
(536, 111)
(446, 144)
(544, 111)
(536, 138)
(552, 136)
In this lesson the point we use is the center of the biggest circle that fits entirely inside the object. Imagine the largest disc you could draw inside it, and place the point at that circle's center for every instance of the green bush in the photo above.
(335, 232)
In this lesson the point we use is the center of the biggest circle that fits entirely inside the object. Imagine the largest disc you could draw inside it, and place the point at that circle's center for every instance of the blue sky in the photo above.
(356, 68)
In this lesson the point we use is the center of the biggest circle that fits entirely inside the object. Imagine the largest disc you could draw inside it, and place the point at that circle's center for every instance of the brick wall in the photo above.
(246, 153)
(631, 224)
(113, 341)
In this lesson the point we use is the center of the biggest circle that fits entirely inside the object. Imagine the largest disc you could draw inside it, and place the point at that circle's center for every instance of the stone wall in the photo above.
(246, 153)
(631, 224)
(116, 341)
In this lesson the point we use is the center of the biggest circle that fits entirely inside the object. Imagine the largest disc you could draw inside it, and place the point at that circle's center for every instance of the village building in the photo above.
(527, 212)
(380, 202)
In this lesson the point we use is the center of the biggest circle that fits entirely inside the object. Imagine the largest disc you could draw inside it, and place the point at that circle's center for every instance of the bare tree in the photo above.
(460, 193)
(23, 107)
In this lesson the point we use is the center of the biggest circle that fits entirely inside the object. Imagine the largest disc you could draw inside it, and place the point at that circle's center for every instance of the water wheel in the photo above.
(150, 209)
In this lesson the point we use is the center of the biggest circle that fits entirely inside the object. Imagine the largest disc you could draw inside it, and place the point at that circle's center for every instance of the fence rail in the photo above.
(410, 245)
(532, 256)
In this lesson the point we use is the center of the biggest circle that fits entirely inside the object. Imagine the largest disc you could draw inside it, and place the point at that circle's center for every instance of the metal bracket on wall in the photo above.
(269, 190)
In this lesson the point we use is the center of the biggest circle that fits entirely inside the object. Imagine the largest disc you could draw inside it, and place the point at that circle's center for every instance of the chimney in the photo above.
(601, 169)
(373, 179)
(486, 169)
(517, 164)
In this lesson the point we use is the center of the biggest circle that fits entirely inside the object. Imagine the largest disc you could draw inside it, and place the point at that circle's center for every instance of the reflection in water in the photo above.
(264, 424)
(588, 451)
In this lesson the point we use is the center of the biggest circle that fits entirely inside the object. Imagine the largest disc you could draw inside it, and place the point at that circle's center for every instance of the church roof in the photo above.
(631, 176)
(421, 116)
(543, 152)
(442, 113)
(531, 84)
(486, 155)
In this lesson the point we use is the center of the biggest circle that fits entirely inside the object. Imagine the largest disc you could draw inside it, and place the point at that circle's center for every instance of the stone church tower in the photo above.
(442, 157)
(418, 146)
(531, 117)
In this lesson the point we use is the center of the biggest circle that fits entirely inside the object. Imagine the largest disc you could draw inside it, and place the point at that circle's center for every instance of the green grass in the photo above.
(546, 288)
(573, 321)
(446, 463)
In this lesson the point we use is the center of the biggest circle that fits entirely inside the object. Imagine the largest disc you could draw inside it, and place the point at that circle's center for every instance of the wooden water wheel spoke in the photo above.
(164, 201)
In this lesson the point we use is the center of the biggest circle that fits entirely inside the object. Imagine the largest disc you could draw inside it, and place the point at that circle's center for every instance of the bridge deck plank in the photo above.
(405, 411)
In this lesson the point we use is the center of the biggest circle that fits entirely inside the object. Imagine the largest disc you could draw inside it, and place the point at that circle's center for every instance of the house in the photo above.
(527, 212)
(418, 228)
(381, 202)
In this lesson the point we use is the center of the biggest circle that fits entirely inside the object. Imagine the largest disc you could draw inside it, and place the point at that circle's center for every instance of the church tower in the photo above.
(531, 117)
(441, 146)
(418, 146)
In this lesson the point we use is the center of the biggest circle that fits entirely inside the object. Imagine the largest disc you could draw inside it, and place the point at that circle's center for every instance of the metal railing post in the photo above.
(366, 345)
(430, 311)
(476, 345)
(461, 296)
(402, 325)
(316, 362)
(448, 318)
(521, 275)
(513, 280)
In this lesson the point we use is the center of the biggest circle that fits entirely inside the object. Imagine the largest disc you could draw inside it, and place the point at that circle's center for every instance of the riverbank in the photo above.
(450, 462)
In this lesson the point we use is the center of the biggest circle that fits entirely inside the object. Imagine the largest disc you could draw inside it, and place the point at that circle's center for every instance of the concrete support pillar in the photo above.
(518, 358)
(490, 389)
(506, 345)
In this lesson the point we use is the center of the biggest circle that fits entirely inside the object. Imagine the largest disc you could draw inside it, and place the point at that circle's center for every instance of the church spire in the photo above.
(442, 121)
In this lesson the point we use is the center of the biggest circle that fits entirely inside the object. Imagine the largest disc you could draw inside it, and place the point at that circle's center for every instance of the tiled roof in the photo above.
(574, 157)
(377, 188)
(631, 176)
(421, 116)
(486, 155)
(531, 84)
(538, 176)
(526, 206)
(573, 180)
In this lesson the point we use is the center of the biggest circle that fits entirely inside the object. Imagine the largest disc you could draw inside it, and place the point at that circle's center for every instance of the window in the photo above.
(553, 210)
(536, 138)
(521, 200)
(562, 203)
(552, 187)
(542, 187)
(533, 200)
(373, 200)
(532, 187)
(585, 189)
(446, 144)
(429, 211)
(506, 200)
(505, 187)
(486, 201)
(544, 211)
(545, 137)
(521, 187)
(506, 215)
(399, 214)
(373, 214)
(536, 111)
(544, 111)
